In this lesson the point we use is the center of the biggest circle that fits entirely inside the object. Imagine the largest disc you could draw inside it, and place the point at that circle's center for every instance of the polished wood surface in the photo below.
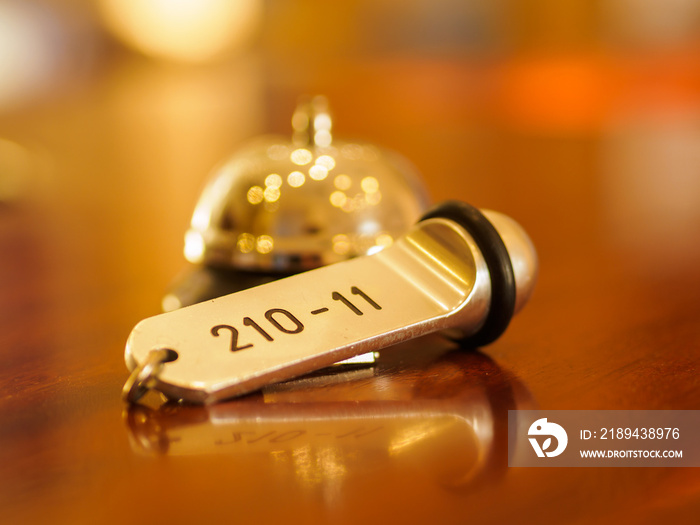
(595, 153)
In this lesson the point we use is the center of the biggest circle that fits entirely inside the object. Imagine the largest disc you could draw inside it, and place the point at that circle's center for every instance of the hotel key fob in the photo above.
(458, 270)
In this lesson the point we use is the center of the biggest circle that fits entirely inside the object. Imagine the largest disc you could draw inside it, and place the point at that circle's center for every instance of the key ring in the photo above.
(144, 376)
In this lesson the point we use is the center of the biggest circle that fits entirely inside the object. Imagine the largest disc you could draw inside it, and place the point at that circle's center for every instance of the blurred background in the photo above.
(136, 101)
(128, 104)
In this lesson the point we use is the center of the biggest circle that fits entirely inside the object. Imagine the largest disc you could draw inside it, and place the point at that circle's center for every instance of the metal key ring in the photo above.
(142, 378)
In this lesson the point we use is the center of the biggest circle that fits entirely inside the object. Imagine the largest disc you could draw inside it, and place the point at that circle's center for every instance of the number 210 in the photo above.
(270, 316)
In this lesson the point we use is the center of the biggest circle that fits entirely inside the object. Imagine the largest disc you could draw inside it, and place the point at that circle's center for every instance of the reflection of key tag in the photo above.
(457, 270)
(447, 417)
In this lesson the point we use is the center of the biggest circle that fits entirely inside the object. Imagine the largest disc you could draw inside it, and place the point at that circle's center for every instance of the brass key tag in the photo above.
(455, 269)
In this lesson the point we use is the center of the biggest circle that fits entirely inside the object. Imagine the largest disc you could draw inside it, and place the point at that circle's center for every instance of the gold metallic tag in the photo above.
(433, 278)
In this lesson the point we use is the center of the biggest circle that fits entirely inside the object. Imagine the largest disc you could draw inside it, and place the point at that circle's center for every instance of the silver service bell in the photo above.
(279, 206)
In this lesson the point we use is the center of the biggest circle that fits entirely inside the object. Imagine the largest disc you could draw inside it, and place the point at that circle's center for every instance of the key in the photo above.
(458, 270)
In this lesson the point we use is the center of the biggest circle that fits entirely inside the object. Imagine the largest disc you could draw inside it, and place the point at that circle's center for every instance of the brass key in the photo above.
(458, 270)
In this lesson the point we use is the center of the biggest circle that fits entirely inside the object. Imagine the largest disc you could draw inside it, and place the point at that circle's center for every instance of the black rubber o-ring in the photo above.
(498, 262)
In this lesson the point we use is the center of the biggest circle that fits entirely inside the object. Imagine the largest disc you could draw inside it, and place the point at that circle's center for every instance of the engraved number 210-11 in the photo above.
(286, 322)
